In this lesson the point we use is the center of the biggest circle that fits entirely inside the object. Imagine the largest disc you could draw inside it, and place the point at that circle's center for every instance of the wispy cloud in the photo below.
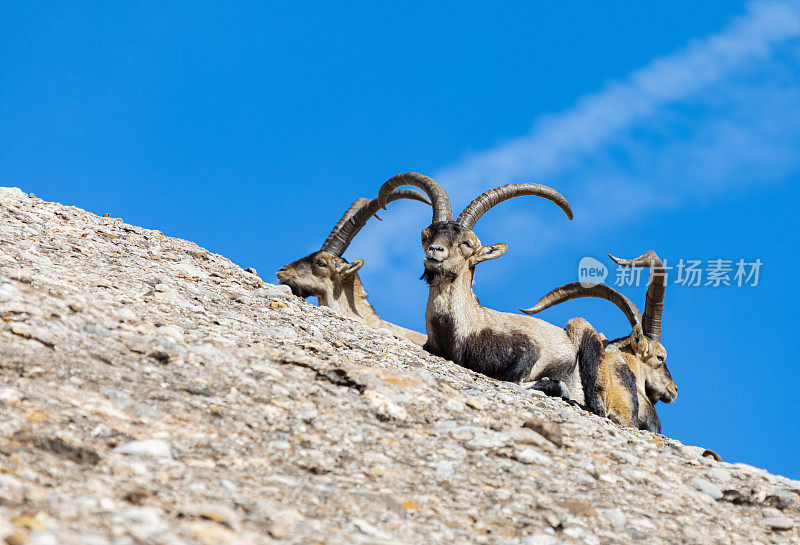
(722, 112)
(560, 139)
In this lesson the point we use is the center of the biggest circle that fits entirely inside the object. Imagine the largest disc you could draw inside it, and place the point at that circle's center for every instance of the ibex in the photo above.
(333, 280)
(631, 376)
(501, 345)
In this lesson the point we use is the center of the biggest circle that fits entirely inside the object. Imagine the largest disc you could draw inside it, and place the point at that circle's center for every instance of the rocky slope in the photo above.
(153, 392)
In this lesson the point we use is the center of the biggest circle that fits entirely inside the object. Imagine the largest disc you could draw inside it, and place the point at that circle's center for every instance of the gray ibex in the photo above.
(501, 345)
(631, 376)
(333, 280)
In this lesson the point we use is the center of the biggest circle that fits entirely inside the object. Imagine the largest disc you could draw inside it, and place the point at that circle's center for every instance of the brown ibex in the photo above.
(501, 345)
(631, 376)
(333, 280)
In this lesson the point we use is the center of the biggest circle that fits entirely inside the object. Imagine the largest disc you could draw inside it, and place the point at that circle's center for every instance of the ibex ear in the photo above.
(489, 252)
(346, 270)
(639, 342)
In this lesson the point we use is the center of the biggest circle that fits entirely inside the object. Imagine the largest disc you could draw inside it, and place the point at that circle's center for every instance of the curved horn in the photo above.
(656, 287)
(485, 201)
(441, 203)
(352, 222)
(358, 203)
(576, 290)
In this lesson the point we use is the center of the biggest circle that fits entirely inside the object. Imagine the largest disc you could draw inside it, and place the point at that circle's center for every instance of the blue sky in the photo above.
(249, 129)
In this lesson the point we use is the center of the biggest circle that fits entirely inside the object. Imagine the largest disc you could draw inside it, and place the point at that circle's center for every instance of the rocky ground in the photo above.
(154, 392)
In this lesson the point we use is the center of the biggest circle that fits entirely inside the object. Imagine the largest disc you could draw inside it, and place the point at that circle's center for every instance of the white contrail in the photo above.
(557, 140)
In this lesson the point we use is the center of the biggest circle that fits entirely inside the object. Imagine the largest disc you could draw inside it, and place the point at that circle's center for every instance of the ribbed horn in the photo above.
(358, 203)
(656, 287)
(354, 219)
(485, 201)
(442, 211)
(576, 290)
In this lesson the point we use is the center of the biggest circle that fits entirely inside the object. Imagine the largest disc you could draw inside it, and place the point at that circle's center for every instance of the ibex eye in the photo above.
(467, 244)
(321, 263)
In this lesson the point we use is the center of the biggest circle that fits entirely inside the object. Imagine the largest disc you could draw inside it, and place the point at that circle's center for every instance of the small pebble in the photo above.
(171, 332)
(708, 488)
(146, 447)
(529, 455)
(126, 315)
(719, 474)
(443, 470)
(778, 523)
(549, 430)
(781, 499)
(615, 517)
(9, 394)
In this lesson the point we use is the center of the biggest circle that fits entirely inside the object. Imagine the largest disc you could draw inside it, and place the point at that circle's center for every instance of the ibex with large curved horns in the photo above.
(498, 344)
(631, 376)
(333, 280)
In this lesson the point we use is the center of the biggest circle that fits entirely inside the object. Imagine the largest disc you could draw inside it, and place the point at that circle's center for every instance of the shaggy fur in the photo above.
(449, 231)
(648, 418)
(433, 278)
(504, 356)
(590, 353)
(625, 377)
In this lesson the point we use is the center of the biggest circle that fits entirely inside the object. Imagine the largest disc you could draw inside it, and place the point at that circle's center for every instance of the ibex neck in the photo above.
(350, 299)
(636, 365)
(455, 299)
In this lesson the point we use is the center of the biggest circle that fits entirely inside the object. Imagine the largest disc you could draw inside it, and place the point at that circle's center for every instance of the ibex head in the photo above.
(451, 248)
(659, 385)
(648, 345)
(317, 274)
(320, 273)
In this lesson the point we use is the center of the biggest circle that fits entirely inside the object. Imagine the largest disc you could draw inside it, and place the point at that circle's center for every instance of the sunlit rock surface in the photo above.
(153, 392)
